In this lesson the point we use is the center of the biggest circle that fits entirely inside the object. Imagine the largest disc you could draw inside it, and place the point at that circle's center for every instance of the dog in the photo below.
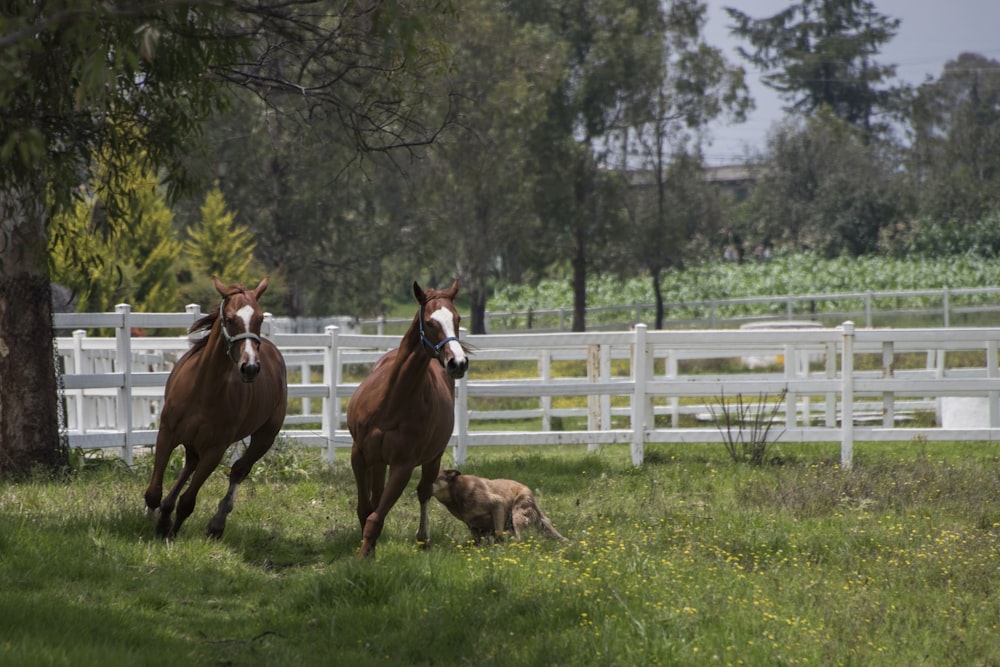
(489, 507)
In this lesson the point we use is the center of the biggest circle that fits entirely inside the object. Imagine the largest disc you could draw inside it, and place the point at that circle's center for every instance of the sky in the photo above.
(932, 32)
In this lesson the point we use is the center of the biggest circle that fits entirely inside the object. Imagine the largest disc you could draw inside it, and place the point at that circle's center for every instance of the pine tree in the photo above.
(217, 246)
(820, 53)
(132, 261)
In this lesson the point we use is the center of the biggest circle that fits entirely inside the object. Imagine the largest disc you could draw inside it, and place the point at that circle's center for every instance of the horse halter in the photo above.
(435, 349)
(232, 340)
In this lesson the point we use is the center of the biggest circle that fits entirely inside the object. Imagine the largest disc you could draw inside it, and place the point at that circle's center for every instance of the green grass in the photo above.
(688, 560)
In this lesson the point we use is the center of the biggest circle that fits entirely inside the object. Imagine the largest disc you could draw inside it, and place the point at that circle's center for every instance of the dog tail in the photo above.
(543, 525)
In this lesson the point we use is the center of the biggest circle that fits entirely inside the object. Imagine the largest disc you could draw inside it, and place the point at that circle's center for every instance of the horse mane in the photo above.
(206, 321)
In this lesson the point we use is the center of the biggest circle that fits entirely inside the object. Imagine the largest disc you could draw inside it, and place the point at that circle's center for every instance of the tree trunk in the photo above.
(29, 415)
(658, 292)
(579, 278)
(477, 308)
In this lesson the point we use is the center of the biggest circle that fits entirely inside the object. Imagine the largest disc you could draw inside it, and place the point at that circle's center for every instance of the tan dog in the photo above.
(491, 506)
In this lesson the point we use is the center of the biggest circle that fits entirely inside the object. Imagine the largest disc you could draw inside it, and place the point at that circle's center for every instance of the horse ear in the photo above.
(261, 286)
(452, 291)
(418, 293)
(219, 286)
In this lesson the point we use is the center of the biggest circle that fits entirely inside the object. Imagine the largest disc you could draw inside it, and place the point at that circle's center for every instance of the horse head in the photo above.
(439, 322)
(240, 317)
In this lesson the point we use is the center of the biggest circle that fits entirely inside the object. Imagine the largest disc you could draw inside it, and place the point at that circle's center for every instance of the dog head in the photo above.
(441, 489)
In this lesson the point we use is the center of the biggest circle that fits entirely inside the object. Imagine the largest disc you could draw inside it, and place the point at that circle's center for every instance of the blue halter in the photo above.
(231, 340)
(435, 349)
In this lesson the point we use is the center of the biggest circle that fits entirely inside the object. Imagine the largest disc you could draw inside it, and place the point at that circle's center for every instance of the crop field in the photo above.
(687, 291)
(690, 559)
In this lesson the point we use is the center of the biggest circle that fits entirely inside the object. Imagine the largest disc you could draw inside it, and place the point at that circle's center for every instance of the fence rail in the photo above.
(840, 384)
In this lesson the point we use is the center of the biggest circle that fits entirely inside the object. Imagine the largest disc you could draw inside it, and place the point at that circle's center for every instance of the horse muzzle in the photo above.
(457, 368)
(249, 371)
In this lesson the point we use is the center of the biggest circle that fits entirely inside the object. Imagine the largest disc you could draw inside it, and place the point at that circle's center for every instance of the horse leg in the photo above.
(163, 450)
(240, 470)
(363, 475)
(399, 477)
(428, 473)
(185, 505)
(167, 505)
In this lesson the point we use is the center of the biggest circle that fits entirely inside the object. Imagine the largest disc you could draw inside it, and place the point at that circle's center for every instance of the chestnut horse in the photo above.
(229, 385)
(401, 416)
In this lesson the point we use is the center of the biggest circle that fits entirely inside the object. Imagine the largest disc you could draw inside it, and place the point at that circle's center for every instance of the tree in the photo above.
(670, 202)
(124, 79)
(77, 79)
(472, 187)
(131, 260)
(613, 56)
(820, 53)
(954, 157)
(821, 188)
(670, 214)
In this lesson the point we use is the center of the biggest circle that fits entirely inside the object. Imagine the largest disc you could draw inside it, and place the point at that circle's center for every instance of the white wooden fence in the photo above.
(623, 388)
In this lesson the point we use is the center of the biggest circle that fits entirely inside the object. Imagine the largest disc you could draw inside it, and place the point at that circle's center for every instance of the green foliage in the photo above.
(955, 155)
(825, 189)
(688, 559)
(133, 261)
(943, 238)
(476, 173)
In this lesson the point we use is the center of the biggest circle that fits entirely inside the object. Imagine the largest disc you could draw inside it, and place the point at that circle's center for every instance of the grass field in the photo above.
(689, 560)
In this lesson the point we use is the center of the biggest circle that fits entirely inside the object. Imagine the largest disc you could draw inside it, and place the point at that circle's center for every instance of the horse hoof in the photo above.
(214, 529)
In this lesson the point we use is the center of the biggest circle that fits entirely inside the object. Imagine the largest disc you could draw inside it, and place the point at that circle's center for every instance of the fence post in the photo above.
(461, 413)
(545, 373)
(847, 396)
(123, 340)
(888, 372)
(194, 310)
(331, 404)
(945, 307)
(593, 400)
(675, 401)
(605, 398)
(639, 400)
(791, 398)
(78, 336)
(993, 407)
(831, 397)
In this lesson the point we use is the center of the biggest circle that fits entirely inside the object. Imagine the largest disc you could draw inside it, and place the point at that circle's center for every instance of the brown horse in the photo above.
(231, 384)
(402, 414)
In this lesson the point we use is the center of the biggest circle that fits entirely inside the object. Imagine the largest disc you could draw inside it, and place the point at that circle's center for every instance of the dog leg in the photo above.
(499, 519)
